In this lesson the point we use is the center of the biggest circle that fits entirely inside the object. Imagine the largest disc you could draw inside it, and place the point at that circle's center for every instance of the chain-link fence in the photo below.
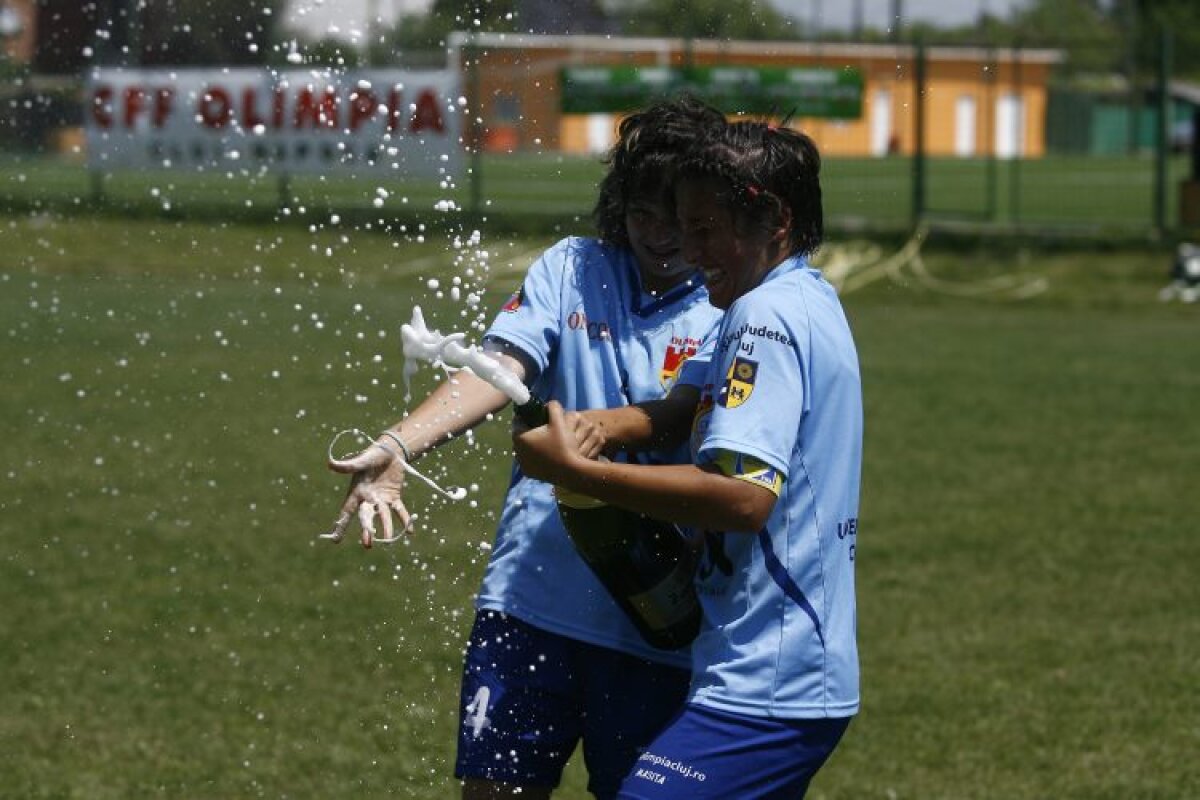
(989, 139)
(1117, 156)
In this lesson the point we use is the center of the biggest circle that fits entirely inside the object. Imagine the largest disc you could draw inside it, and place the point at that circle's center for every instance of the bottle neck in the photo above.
(533, 412)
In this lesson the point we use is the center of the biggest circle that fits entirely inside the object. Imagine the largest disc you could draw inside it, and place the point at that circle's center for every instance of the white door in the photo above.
(1010, 127)
(881, 121)
(599, 132)
(964, 126)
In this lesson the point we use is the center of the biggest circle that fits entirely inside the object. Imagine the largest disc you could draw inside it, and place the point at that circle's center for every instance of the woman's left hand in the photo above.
(549, 452)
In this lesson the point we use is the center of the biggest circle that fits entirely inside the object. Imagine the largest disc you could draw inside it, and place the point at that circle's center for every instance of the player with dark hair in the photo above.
(773, 487)
(596, 323)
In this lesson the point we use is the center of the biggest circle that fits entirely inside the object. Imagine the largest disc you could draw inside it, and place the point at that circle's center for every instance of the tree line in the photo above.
(1096, 36)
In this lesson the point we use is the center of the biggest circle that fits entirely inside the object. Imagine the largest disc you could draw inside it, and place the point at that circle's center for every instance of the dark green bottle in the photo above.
(646, 564)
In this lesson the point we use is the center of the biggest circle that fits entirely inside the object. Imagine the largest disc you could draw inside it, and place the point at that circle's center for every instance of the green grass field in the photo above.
(1109, 196)
(1028, 603)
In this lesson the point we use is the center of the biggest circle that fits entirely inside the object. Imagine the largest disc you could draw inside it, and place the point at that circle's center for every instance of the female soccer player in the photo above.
(596, 323)
(773, 487)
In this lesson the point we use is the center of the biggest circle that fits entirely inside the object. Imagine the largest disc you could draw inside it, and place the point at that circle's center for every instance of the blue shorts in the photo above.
(705, 753)
(529, 697)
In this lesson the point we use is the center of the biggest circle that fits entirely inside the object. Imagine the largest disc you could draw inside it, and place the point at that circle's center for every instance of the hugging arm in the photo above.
(653, 425)
(695, 495)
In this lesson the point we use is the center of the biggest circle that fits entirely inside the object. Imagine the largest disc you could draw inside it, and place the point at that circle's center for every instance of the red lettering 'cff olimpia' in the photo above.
(280, 108)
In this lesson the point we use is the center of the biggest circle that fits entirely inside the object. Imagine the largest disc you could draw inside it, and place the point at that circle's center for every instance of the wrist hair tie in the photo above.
(455, 493)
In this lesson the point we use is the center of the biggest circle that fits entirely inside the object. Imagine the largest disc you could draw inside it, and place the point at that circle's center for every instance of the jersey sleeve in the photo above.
(750, 470)
(759, 383)
(530, 319)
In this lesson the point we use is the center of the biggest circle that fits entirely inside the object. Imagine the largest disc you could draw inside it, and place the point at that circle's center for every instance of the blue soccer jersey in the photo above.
(783, 395)
(599, 341)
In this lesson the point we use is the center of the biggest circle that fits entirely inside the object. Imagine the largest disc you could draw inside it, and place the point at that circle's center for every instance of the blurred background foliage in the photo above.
(234, 32)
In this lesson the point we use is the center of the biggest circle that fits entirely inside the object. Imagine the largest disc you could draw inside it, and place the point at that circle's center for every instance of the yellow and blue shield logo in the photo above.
(739, 382)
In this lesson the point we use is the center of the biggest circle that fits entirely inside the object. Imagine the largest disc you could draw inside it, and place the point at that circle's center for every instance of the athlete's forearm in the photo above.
(700, 497)
(454, 407)
(656, 424)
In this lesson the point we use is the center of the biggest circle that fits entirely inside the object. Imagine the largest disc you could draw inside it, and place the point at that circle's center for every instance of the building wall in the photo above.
(519, 88)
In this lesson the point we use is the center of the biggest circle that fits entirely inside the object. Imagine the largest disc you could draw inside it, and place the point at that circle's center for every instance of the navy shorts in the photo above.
(529, 697)
(716, 755)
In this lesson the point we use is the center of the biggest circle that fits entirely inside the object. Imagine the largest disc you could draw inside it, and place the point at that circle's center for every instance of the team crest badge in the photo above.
(739, 382)
(678, 351)
(515, 301)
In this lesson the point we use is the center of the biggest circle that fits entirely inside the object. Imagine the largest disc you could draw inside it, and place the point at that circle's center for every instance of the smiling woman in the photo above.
(596, 322)
(741, 220)
(654, 239)
(772, 488)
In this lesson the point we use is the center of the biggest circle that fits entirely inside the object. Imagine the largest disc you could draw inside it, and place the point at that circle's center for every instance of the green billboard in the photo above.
(834, 93)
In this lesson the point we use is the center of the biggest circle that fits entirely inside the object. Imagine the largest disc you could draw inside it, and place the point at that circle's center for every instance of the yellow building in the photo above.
(978, 101)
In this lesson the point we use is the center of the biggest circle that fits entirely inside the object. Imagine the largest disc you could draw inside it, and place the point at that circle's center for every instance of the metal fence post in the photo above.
(1160, 139)
(1014, 167)
(991, 180)
(96, 182)
(918, 197)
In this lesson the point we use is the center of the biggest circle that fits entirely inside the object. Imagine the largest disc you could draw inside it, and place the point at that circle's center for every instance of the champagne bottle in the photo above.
(645, 564)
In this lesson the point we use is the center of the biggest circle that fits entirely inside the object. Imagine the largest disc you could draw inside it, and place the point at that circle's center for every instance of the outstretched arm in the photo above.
(376, 488)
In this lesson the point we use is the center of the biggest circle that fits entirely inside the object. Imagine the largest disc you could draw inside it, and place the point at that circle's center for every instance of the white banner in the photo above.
(375, 121)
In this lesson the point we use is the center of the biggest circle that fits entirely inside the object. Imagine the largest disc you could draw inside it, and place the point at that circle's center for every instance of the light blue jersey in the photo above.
(599, 341)
(783, 392)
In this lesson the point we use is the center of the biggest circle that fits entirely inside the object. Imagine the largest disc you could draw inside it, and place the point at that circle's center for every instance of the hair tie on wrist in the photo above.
(388, 450)
(400, 443)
